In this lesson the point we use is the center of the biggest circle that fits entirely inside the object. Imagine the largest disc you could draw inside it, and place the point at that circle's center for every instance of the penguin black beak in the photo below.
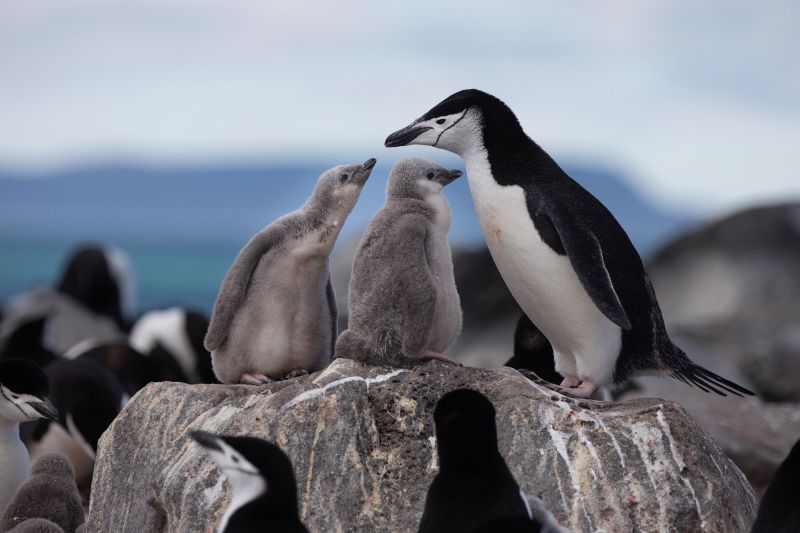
(206, 440)
(46, 409)
(405, 136)
(448, 177)
(360, 176)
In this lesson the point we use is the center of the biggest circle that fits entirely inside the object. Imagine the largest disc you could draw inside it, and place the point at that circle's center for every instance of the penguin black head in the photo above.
(459, 123)
(418, 178)
(24, 391)
(253, 467)
(465, 427)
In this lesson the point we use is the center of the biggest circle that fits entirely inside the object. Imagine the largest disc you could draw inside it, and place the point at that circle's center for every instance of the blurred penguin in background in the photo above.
(38, 525)
(49, 493)
(175, 334)
(92, 300)
(132, 369)
(88, 398)
(779, 511)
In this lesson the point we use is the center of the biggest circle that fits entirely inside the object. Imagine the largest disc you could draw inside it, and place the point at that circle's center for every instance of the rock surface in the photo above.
(729, 293)
(361, 442)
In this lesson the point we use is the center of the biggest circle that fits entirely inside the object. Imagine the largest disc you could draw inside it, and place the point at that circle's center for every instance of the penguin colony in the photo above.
(591, 320)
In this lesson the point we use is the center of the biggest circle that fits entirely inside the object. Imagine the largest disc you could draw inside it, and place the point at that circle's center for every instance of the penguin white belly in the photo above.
(284, 323)
(585, 343)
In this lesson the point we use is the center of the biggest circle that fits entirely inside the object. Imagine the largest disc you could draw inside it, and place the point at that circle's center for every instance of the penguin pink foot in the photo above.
(584, 390)
(570, 382)
(430, 354)
(255, 379)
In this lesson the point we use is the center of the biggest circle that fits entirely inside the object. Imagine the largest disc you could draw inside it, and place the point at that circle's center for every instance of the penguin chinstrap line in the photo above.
(24, 389)
(565, 258)
(276, 311)
(263, 483)
(474, 489)
(403, 305)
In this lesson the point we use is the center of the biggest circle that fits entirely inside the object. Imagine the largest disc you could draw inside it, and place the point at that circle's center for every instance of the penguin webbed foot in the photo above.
(300, 372)
(584, 390)
(430, 354)
(255, 379)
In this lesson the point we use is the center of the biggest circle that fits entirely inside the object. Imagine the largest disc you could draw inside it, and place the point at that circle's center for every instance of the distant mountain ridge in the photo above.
(198, 216)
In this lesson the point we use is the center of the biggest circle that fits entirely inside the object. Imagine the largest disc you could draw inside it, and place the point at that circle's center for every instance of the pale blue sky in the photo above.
(698, 102)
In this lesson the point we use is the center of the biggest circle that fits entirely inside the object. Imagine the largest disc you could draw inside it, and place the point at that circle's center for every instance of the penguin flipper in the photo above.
(586, 257)
(334, 314)
(234, 286)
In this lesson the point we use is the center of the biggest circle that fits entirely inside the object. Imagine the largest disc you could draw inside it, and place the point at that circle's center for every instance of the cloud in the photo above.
(694, 98)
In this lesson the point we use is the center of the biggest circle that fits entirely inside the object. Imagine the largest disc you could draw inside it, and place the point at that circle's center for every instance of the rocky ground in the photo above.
(362, 445)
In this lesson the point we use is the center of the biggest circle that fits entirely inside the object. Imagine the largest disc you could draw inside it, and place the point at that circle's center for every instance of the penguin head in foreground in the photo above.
(23, 392)
(465, 428)
(418, 178)
(253, 468)
(338, 188)
(458, 123)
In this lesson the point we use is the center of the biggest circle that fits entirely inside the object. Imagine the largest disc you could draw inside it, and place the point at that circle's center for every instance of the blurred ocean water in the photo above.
(183, 226)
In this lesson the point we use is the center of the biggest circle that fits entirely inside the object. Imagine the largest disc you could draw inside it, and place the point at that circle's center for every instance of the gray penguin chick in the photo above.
(50, 493)
(37, 525)
(276, 311)
(403, 303)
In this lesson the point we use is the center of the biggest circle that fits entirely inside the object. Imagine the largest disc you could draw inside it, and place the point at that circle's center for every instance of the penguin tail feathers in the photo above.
(707, 381)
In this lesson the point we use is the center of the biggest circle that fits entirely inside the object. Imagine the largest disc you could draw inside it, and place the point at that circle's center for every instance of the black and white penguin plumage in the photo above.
(566, 260)
(99, 278)
(132, 369)
(263, 483)
(88, 398)
(474, 487)
(176, 333)
(779, 511)
(23, 397)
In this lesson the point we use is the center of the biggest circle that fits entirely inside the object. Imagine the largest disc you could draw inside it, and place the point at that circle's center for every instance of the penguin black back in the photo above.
(474, 486)
(88, 279)
(532, 351)
(779, 511)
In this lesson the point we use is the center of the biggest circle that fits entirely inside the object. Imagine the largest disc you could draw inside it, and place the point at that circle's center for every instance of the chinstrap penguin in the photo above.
(474, 489)
(566, 260)
(276, 312)
(23, 397)
(779, 511)
(49, 493)
(132, 369)
(88, 398)
(262, 480)
(403, 304)
(532, 351)
(175, 333)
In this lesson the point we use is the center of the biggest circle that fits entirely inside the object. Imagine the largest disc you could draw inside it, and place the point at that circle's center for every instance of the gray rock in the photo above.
(361, 442)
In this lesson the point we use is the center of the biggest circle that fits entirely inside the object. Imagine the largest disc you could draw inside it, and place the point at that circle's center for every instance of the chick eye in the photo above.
(235, 459)
(430, 175)
(440, 121)
(343, 178)
(14, 396)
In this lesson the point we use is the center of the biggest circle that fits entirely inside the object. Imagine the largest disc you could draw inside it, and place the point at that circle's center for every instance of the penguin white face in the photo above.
(21, 407)
(243, 476)
(23, 392)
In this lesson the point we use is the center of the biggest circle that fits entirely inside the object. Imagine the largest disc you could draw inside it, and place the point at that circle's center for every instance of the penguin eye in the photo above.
(440, 121)
(235, 459)
(430, 175)
(343, 178)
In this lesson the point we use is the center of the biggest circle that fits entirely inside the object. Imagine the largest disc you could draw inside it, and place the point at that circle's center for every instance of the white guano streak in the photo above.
(313, 393)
